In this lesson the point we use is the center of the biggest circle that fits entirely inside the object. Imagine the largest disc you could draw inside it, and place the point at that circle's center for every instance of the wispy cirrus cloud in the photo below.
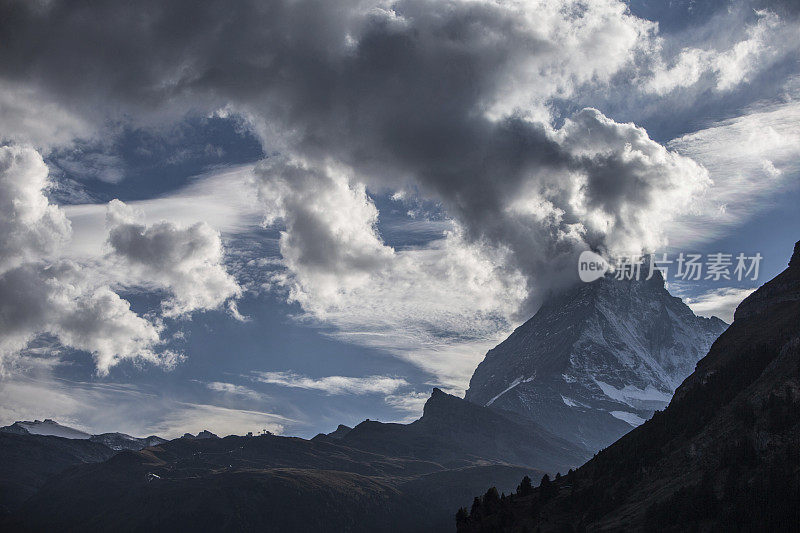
(334, 384)
(104, 407)
(763, 43)
(750, 158)
(395, 390)
(721, 302)
(193, 417)
(233, 390)
(411, 403)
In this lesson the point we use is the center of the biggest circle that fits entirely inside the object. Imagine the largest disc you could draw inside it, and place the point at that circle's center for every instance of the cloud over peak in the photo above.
(451, 97)
(477, 106)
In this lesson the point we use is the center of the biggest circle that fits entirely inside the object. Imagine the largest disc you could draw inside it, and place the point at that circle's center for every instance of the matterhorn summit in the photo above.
(596, 360)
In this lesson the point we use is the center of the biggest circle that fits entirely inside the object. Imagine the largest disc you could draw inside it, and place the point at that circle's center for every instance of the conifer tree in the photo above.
(525, 487)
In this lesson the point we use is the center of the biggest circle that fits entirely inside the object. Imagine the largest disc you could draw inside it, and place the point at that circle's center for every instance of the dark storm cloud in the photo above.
(449, 96)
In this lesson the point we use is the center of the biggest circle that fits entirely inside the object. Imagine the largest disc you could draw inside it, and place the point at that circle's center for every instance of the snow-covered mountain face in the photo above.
(51, 427)
(597, 360)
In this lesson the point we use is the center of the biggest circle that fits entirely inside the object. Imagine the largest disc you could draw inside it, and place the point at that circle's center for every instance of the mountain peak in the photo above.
(49, 427)
(732, 424)
(438, 402)
(340, 432)
(45, 427)
(596, 359)
(205, 434)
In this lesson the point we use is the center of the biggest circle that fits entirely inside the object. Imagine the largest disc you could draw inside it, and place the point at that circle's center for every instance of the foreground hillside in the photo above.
(28, 461)
(723, 456)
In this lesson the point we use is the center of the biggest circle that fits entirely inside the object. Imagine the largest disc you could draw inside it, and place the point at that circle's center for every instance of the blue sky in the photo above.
(316, 235)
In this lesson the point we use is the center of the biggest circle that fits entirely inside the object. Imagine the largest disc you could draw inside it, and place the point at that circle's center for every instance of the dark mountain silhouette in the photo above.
(338, 433)
(33, 451)
(374, 477)
(454, 432)
(205, 434)
(122, 441)
(115, 441)
(723, 456)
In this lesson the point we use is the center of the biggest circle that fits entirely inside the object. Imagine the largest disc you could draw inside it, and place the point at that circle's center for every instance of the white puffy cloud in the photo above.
(186, 261)
(74, 301)
(634, 187)
(330, 241)
(413, 302)
(609, 185)
(687, 69)
(449, 96)
(553, 48)
(517, 53)
(65, 301)
(30, 227)
(40, 294)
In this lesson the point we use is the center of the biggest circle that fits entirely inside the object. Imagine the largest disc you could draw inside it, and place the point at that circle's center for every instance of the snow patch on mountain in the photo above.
(51, 427)
(569, 402)
(630, 418)
(630, 394)
(513, 384)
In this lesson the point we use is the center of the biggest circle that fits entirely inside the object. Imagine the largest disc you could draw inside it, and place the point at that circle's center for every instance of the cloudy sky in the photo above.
(292, 214)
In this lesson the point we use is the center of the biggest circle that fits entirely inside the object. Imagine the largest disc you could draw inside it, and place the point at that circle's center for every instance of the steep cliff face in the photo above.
(597, 360)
